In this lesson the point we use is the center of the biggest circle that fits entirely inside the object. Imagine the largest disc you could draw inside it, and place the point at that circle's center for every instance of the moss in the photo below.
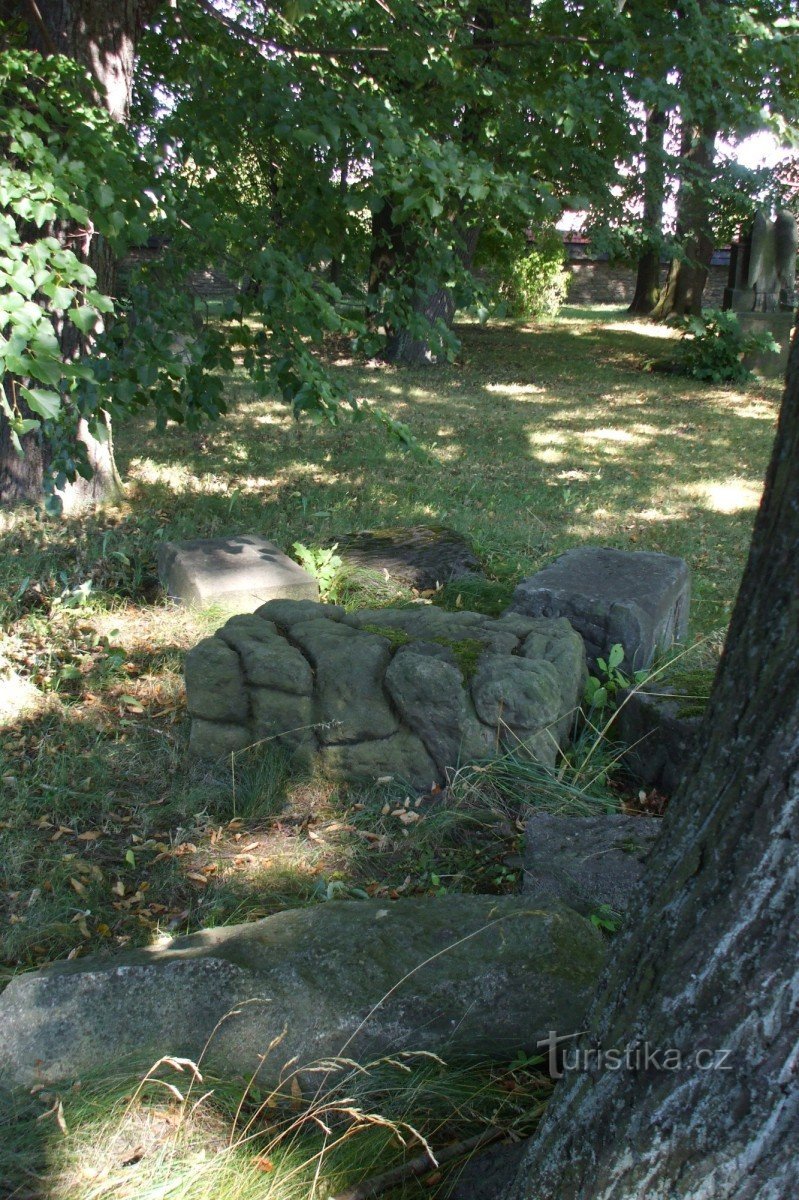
(488, 596)
(692, 690)
(467, 654)
(396, 637)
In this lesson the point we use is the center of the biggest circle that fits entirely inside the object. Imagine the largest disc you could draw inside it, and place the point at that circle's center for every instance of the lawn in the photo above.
(538, 439)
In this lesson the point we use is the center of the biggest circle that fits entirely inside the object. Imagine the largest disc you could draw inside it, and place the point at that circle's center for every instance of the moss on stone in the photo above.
(467, 653)
(396, 637)
(692, 689)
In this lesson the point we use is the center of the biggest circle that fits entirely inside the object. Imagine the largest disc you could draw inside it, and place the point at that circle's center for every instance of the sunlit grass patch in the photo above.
(176, 1132)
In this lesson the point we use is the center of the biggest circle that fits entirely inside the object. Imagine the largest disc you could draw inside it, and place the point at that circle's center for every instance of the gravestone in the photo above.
(459, 976)
(586, 862)
(410, 693)
(424, 557)
(236, 573)
(636, 598)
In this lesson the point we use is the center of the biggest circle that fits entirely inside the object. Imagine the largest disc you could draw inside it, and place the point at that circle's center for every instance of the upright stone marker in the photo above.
(237, 573)
(636, 598)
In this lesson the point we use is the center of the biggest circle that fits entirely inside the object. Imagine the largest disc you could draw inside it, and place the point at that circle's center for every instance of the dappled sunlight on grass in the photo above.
(730, 496)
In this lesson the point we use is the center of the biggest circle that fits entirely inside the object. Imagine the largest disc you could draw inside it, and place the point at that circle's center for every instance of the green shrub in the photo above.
(535, 281)
(713, 347)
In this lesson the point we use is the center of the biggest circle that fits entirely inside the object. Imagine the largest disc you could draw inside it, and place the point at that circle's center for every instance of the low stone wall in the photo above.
(409, 693)
(606, 283)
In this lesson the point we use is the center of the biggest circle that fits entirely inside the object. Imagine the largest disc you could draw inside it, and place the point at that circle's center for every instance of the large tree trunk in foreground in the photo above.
(647, 280)
(101, 37)
(682, 294)
(712, 962)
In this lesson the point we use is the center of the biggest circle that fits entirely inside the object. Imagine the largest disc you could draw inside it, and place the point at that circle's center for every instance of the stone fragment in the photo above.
(521, 699)
(460, 976)
(661, 740)
(215, 682)
(423, 557)
(217, 739)
(268, 660)
(636, 598)
(349, 666)
(236, 573)
(429, 696)
(402, 756)
(586, 862)
(440, 688)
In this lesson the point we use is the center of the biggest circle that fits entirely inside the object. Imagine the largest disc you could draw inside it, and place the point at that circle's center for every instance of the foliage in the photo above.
(602, 690)
(536, 282)
(66, 164)
(321, 562)
(714, 348)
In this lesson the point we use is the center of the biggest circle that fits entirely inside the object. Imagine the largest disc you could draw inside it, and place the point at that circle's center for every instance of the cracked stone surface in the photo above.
(409, 692)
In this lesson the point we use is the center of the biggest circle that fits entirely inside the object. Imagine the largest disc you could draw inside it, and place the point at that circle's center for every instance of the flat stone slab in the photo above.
(424, 557)
(408, 692)
(586, 862)
(461, 976)
(237, 573)
(636, 598)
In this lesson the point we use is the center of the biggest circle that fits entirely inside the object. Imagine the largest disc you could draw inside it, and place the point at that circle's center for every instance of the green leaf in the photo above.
(616, 656)
(46, 404)
(84, 318)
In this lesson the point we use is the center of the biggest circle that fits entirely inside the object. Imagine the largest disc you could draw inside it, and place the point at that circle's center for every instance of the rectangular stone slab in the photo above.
(237, 573)
(636, 598)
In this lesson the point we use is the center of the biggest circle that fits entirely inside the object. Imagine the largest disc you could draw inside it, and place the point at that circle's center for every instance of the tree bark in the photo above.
(101, 37)
(647, 280)
(682, 294)
(712, 961)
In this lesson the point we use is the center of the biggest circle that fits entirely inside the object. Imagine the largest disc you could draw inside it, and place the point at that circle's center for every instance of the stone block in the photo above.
(459, 976)
(586, 862)
(661, 739)
(412, 692)
(237, 573)
(637, 598)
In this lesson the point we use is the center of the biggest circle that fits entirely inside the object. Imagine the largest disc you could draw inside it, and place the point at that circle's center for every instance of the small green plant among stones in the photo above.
(602, 690)
(323, 563)
(605, 919)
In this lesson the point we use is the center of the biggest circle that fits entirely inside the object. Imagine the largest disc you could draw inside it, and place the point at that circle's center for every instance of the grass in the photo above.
(176, 1133)
(539, 439)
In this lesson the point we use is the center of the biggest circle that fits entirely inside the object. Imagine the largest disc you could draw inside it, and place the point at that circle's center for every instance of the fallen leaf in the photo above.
(89, 837)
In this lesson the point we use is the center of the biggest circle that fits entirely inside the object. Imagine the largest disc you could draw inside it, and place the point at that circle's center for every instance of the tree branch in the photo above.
(38, 20)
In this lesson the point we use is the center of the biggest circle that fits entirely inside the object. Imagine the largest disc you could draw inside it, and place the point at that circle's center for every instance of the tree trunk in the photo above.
(712, 961)
(682, 295)
(647, 281)
(101, 37)
(392, 250)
